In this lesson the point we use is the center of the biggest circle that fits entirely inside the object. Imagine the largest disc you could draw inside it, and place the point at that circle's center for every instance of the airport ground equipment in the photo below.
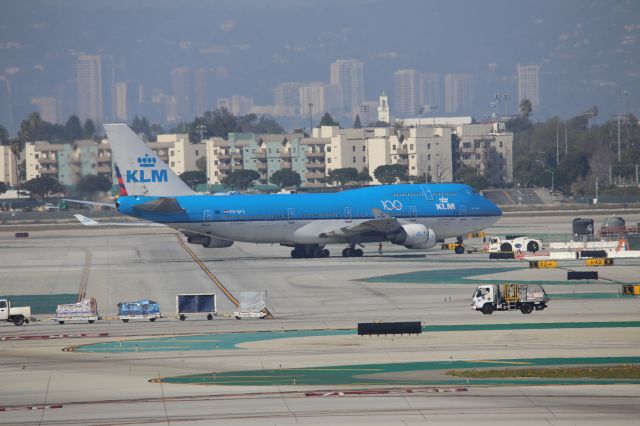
(513, 243)
(631, 290)
(488, 298)
(543, 264)
(196, 304)
(18, 315)
(84, 310)
(253, 304)
(142, 309)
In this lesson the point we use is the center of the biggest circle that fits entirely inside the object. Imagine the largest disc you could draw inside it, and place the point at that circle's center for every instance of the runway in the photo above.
(118, 387)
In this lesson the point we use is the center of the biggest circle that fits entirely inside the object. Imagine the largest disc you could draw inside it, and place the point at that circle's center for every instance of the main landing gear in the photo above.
(460, 246)
(352, 251)
(305, 251)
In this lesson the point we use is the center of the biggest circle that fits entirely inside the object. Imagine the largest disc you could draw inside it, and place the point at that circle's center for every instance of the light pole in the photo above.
(419, 110)
(310, 121)
(201, 128)
(553, 191)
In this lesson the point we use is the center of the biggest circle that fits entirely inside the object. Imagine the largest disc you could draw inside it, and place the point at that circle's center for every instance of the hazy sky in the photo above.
(588, 50)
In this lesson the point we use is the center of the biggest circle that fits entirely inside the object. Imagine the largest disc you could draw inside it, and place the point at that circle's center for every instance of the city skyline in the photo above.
(264, 55)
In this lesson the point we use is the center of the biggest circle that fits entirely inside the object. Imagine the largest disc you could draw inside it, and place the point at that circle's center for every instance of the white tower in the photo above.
(383, 108)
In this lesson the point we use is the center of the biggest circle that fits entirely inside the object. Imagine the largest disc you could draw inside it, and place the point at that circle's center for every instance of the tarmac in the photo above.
(307, 365)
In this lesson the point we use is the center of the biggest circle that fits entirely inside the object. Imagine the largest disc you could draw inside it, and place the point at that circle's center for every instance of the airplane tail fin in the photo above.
(138, 170)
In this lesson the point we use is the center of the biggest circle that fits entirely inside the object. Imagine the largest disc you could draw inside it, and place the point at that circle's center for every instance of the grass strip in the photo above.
(627, 371)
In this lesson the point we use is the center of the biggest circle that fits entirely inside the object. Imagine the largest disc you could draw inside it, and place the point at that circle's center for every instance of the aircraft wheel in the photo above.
(358, 253)
(325, 253)
(345, 252)
(459, 249)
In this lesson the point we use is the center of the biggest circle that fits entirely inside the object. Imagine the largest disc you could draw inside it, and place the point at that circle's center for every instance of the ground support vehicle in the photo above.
(17, 315)
(84, 310)
(507, 297)
(513, 243)
(198, 304)
(142, 309)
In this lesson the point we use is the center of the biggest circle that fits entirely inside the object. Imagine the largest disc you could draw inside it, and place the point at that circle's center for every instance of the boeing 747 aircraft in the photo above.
(414, 216)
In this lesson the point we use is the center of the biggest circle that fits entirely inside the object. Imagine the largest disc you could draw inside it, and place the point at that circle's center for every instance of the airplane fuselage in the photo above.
(449, 210)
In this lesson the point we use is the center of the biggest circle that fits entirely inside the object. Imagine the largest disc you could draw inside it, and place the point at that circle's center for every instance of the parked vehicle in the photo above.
(525, 297)
(142, 309)
(17, 315)
(253, 304)
(85, 310)
(198, 304)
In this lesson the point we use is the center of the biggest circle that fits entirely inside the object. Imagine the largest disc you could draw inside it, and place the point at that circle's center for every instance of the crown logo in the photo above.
(444, 200)
(146, 161)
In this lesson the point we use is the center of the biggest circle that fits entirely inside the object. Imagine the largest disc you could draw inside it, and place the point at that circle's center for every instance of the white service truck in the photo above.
(17, 315)
(513, 243)
(507, 297)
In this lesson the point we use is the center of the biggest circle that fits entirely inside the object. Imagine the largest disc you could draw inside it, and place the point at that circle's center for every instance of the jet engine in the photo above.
(415, 236)
(208, 241)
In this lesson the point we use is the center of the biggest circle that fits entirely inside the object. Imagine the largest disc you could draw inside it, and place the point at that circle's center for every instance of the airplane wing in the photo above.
(382, 223)
(90, 203)
(87, 221)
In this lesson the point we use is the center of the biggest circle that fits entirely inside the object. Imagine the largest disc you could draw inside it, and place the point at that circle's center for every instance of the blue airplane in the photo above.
(416, 216)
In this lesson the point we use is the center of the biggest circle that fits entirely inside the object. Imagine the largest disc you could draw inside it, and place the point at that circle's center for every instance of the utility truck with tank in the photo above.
(488, 298)
(17, 315)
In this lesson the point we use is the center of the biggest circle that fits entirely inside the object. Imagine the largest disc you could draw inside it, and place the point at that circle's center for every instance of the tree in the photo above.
(327, 120)
(201, 164)
(390, 173)
(43, 186)
(3, 187)
(194, 178)
(342, 176)
(72, 129)
(141, 125)
(240, 179)
(285, 178)
(525, 108)
(364, 176)
(357, 124)
(94, 183)
(89, 129)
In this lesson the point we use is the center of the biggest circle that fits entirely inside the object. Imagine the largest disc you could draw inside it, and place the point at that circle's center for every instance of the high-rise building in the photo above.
(121, 98)
(108, 87)
(6, 104)
(528, 84)
(458, 93)
(182, 91)
(200, 94)
(406, 87)
(47, 108)
(89, 88)
(430, 90)
(320, 97)
(287, 95)
(347, 75)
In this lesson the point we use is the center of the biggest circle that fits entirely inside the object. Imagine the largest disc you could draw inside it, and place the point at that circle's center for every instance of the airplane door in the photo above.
(462, 211)
(291, 215)
(347, 214)
(4, 314)
(413, 213)
(427, 192)
(206, 218)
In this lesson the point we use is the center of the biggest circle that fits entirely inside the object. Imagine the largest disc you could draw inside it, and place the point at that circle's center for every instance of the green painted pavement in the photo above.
(356, 374)
(42, 303)
(460, 276)
(587, 296)
(221, 341)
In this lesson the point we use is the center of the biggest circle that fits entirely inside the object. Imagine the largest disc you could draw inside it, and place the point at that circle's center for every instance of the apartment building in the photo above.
(488, 149)
(264, 153)
(178, 152)
(8, 168)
